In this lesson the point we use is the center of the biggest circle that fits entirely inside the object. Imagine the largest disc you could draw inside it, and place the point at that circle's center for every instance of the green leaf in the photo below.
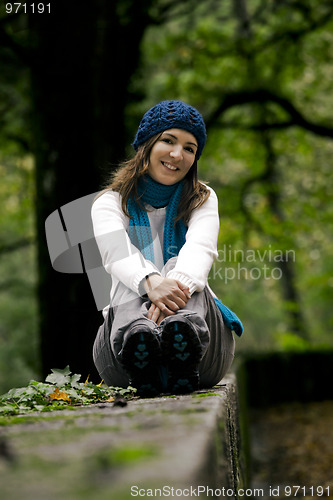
(90, 390)
(39, 407)
(74, 380)
(8, 410)
(59, 377)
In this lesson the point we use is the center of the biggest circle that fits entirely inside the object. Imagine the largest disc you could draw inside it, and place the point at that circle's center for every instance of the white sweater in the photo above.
(126, 263)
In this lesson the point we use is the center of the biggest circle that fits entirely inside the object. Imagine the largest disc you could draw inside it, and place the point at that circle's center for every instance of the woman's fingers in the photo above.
(168, 295)
(185, 289)
(174, 303)
(165, 309)
(160, 318)
(155, 314)
(173, 298)
(150, 311)
(168, 305)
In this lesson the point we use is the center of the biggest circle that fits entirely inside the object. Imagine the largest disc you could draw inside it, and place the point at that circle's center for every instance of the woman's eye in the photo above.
(191, 150)
(168, 141)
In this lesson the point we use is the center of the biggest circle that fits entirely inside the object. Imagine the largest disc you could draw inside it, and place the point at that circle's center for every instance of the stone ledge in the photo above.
(110, 452)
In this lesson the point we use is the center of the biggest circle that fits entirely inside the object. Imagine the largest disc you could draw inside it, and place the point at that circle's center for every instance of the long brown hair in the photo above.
(125, 182)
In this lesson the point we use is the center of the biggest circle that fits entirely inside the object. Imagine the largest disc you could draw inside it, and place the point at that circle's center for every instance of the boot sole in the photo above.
(182, 351)
(141, 358)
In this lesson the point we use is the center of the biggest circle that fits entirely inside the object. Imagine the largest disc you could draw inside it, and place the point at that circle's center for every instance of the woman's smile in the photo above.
(169, 166)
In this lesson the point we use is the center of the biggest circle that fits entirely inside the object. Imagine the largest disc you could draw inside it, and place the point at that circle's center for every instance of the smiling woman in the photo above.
(164, 330)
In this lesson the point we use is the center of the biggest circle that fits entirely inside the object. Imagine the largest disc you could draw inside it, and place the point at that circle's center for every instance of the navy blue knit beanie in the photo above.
(171, 114)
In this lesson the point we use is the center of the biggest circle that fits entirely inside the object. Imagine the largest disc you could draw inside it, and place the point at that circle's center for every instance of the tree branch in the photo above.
(297, 34)
(257, 127)
(165, 12)
(262, 96)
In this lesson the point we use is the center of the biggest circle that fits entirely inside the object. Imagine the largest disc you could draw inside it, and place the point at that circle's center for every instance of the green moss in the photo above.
(124, 455)
(205, 395)
(32, 419)
(4, 421)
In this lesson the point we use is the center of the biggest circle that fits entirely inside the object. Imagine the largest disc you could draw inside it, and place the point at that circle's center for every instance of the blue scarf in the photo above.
(159, 195)
(230, 318)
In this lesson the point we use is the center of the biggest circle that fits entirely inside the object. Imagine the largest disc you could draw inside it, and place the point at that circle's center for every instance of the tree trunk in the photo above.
(80, 73)
(288, 280)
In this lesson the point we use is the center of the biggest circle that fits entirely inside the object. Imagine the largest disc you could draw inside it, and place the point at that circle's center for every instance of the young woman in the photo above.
(156, 227)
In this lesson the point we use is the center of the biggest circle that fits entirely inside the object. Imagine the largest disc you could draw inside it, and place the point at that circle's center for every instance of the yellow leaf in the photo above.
(86, 382)
(110, 399)
(62, 396)
(99, 385)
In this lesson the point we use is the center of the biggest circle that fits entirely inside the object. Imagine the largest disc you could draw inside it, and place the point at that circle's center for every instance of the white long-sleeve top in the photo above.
(126, 263)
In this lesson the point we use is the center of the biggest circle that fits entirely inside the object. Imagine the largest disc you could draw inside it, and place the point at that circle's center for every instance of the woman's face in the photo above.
(172, 156)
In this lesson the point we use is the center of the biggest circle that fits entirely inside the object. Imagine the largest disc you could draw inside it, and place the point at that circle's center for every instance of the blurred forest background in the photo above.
(74, 84)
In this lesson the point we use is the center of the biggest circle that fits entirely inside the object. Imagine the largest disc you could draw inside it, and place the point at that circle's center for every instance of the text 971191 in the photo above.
(29, 7)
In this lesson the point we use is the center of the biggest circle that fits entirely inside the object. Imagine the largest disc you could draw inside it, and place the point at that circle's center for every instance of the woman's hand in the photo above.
(155, 314)
(167, 294)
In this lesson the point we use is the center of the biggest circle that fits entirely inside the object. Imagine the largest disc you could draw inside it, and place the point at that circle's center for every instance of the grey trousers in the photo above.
(216, 338)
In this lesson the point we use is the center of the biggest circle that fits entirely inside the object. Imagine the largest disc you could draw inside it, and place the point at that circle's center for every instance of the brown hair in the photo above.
(125, 182)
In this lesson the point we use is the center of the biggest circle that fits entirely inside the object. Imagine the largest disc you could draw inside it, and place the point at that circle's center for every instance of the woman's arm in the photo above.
(120, 257)
(196, 257)
(125, 262)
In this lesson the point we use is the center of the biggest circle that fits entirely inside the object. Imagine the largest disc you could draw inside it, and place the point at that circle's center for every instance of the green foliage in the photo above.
(18, 306)
(60, 390)
(293, 343)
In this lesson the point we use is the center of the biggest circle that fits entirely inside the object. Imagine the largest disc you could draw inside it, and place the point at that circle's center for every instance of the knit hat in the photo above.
(171, 114)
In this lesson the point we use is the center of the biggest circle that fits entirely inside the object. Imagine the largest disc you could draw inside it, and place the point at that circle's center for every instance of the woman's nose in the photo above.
(176, 153)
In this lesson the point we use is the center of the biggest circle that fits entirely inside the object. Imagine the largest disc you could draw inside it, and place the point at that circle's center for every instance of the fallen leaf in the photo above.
(63, 396)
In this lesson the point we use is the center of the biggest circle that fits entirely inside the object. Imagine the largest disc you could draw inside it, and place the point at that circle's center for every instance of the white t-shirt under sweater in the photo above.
(126, 263)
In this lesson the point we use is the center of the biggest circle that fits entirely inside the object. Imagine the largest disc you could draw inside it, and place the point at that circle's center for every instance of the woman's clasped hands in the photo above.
(167, 296)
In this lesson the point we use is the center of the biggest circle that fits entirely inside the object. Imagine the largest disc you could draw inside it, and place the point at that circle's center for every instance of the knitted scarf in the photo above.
(157, 195)
(230, 318)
